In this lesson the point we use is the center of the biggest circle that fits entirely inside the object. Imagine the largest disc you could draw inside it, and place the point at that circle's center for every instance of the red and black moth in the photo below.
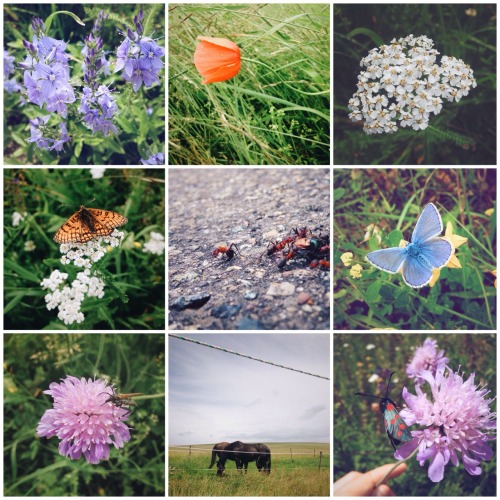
(396, 428)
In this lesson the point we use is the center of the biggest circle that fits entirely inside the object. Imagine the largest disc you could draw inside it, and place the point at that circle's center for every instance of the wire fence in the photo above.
(223, 349)
(191, 448)
(194, 449)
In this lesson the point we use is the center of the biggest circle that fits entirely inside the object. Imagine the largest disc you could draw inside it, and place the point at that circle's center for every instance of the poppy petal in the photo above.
(217, 59)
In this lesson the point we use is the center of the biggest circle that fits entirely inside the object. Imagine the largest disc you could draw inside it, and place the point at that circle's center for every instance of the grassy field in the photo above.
(293, 473)
(276, 111)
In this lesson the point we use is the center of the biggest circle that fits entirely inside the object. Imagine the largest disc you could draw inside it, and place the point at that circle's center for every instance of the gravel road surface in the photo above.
(209, 208)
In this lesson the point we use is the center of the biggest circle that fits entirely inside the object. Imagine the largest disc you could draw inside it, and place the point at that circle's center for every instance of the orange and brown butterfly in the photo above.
(88, 224)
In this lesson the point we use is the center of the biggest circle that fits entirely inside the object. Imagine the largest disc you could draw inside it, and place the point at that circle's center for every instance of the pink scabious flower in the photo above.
(83, 419)
(457, 421)
(427, 358)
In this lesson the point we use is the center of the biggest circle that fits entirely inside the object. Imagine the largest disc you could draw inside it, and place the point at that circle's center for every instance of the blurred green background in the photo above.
(360, 440)
(389, 202)
(33, 465)
(49, 197)
(464, 133)
(276, 110)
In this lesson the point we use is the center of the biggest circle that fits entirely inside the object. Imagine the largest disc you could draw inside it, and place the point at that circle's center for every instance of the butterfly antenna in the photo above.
(368, 395)
(388, 383)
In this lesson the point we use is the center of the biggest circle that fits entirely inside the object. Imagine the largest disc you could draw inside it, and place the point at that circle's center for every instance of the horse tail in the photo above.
(214, 456)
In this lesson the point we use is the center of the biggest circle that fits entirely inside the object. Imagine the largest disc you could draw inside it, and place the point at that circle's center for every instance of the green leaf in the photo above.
(338, 193)
(369, 33)
(394, 237)
(48, 21)
(373, 290)
(20, 271)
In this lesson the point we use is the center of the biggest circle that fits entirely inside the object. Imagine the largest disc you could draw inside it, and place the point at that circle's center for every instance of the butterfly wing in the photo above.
(437, 252)
(396, 428)
(429, 224)
(417, 272)
(107, 218)
(88, 224)
(388, 259)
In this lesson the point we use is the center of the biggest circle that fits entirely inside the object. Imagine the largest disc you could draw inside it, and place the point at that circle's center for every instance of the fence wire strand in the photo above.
(223, 349)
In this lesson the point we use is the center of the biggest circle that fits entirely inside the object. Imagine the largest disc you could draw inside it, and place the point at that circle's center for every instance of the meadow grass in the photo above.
(292, 474)
(276, 110)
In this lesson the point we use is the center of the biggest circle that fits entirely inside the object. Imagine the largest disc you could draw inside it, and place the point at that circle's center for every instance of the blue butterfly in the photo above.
(425, 252)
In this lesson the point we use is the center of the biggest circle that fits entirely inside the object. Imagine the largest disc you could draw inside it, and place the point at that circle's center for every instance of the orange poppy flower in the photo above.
(217, 59)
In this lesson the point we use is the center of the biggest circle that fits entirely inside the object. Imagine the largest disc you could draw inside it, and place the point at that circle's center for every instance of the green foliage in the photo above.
(135, 280)
(462, 299)
(141, 116)
(276, 110)
(463, 133)
(134, 363)
(360, 440)
(296, 475)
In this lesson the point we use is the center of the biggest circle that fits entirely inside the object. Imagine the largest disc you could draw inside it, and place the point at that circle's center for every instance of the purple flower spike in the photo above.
(457, 421)
(83, 421)
(428, 358)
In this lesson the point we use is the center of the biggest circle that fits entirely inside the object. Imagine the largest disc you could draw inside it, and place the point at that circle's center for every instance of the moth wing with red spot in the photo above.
(396, 427)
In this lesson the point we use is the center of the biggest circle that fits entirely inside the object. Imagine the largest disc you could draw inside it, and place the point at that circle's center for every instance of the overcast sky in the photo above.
(215, 396)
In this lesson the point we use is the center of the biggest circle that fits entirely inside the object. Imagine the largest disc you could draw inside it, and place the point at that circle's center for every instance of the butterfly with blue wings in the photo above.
(416, 261)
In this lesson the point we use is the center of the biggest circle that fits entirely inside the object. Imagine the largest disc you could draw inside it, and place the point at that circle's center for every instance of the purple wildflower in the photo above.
(425, 358)
(141, 73)
(152, 53)
(97, 102)
(156, 159)
(139, 57)
(50, 78)
(8, 64)
(46, 137)
(10, 86)
(34, 89)
(82, 419)
(457, 421)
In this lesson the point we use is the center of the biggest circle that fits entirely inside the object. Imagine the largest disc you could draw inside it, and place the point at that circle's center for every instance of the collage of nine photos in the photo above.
(299, 134)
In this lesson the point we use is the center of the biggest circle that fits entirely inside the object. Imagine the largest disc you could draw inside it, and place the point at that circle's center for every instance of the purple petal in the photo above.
(436, 468)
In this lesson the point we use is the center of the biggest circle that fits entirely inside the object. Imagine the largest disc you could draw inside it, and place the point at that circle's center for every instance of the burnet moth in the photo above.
(396, 428)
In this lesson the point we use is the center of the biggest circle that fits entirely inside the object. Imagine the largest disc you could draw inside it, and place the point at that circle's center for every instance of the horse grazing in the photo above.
(242, 454)
(216, 451)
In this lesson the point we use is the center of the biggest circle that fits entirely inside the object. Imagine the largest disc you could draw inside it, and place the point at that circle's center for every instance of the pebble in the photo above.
(190, 302)
(249, 324)
(281, 289)
(225, 311)
(304, 298)
(251, 295)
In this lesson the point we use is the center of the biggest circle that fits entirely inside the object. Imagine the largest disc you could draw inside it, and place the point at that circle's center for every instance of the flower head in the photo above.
(426, 358)
(457, 420)
(83, 419)
(156, 244)
(217, 59)
(402, 85)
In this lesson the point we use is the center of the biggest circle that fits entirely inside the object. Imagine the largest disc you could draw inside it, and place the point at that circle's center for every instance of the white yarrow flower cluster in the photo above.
(402, 85)
(68, 298)
(156, 244)
(18, 217)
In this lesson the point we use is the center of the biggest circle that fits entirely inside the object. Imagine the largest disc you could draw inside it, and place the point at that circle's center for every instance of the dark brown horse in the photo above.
(216, 451)
(242, 454)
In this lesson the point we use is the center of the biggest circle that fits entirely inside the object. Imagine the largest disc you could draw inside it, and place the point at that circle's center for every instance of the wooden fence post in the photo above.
(320, 457)
(189, 451)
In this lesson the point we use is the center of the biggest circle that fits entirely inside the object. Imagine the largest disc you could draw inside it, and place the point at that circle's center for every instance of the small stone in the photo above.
(191, 302)
(251, 295)
(225, 311)
(249, 324)
(304, 298)
(281, 289)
